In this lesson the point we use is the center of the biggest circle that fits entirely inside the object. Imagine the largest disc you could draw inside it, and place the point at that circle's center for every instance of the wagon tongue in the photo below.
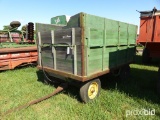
(61, 87)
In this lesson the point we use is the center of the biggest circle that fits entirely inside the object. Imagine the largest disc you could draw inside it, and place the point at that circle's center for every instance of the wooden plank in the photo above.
(123, 33)
(118, 44)
(96, 37)
(103, 50)
(64, 62)
(47, 57)
(118, 33)
(45, 28)
(88, 53)
(65, 65)
(74, 21)
(65, 36)
(104, 44)
(61, 53)
(53, 51)
(73, 36)
(46, 37)
(41, 27)
(95, 60)
(111, 32)
(67, 41)
(127, 34)
(39, 48)
(75, 51)
(75, 60)
(132, 34)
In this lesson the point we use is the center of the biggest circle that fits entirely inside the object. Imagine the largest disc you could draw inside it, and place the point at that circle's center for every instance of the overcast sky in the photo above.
(43, 10)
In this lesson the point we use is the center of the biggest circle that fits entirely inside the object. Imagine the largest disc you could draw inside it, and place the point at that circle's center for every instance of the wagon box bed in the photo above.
(88, 47)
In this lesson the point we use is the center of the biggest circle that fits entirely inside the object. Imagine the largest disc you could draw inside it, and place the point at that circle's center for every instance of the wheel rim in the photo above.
(93, 90)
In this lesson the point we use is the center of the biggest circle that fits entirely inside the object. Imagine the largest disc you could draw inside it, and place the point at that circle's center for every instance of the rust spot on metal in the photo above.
(13, 57)
(20, 49)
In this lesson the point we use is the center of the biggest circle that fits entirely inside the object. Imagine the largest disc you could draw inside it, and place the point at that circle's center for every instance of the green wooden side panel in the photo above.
(113, 57)
(123, 33)
(74, 21)
(122, 55)
(132, 34)
(96, 37)
(59, 20)
(110, 57)
(95, 60)
(92, 21)
(94, 27)
(109, 43)
(112, 34)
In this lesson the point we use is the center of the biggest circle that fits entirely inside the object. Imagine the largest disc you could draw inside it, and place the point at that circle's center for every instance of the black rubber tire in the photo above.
(158, 82)
(124, 72)
(85, 88)
(145, 56)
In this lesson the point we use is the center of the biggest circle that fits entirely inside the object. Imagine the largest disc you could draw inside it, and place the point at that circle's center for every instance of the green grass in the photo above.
(138, 92)
(140, 47)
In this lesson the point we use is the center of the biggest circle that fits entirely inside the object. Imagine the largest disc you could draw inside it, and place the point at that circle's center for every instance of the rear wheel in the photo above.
(90, 90)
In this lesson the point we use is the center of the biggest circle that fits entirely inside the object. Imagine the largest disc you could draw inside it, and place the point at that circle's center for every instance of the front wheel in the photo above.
(90, 90)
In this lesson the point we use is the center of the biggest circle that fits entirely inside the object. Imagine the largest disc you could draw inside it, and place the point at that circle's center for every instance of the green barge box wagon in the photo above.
(86, 48)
